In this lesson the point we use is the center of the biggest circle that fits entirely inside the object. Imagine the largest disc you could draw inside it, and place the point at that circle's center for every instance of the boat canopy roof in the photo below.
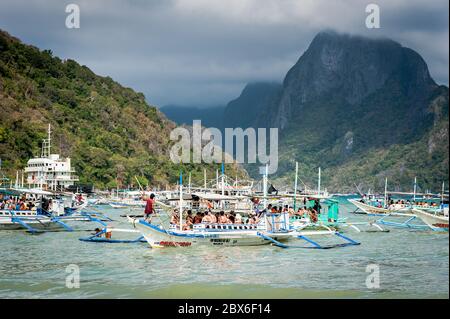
(213, 196)
(18, 191)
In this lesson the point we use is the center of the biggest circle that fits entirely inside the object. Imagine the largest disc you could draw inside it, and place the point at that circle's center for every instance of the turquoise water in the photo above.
(412, 265)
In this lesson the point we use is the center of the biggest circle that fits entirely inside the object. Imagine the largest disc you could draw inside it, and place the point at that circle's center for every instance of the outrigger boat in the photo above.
(372, 210)
(379, 206)
(329, 217)
(41, 219)
(35, 222)
(434, 221)
(274, 228)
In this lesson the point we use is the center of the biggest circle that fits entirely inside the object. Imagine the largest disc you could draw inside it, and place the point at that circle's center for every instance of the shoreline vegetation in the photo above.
(109, 131)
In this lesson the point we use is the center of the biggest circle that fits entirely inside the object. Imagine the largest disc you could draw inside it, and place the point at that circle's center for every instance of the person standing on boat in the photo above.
(149, 210)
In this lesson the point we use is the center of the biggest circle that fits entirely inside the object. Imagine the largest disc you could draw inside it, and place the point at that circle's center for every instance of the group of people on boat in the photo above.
(11, 203)
(311, 212)
(222, 217)
(208, 217)
(394, 205)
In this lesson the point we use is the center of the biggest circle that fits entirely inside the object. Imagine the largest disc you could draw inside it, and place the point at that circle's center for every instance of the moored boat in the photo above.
(434, 221)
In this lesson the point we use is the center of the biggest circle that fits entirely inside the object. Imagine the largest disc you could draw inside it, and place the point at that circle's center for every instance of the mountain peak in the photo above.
(351, 68)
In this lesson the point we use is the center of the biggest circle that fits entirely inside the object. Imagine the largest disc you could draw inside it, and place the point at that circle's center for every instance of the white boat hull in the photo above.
(158, 237)
(372, 210)
(6, 223)
(436, 222)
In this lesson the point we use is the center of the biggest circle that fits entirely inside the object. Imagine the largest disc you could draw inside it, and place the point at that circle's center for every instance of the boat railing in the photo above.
(216, 226)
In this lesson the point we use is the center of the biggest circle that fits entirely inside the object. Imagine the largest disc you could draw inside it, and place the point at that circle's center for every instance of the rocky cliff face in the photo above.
(351, 69)
(255, 100)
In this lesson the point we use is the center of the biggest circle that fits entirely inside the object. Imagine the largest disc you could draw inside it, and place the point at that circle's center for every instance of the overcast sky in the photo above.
(203, 52)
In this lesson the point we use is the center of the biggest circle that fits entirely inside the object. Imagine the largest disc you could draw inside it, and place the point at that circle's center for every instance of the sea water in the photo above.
(411, 264)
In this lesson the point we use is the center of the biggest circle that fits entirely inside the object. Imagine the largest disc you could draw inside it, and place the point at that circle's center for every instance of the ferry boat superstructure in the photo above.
(50, 171)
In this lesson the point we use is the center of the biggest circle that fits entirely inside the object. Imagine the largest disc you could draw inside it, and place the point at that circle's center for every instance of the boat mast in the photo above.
(265, 185)
(49, 139)
(181, 201)
(318, 184)
(217, 178)
(295, 186)
(223, 185)
(223, 179)
(442, 193)
(189, 184)
(415, 188)
(204, 178)
(385, 192)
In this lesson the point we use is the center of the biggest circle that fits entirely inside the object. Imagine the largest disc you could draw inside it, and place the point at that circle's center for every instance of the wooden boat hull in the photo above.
(158, 237)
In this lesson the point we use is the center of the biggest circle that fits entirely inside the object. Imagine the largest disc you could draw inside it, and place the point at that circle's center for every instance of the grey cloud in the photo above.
(204, 51)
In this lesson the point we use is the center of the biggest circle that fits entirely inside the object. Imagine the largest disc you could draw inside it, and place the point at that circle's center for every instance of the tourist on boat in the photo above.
(252, 219)
(317, 207)
(213, 218)
(149, 210)
(31, 206)
(264, 211)
(291, 211)
(207, 218)
(188, 225)
(238, 219)
(198, 218)
(313, 215)
(189, 217)
(174, 220)
(222, 218)
(23, 206)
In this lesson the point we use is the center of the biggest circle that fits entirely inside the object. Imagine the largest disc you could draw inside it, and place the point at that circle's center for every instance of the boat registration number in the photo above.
(175, 243)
